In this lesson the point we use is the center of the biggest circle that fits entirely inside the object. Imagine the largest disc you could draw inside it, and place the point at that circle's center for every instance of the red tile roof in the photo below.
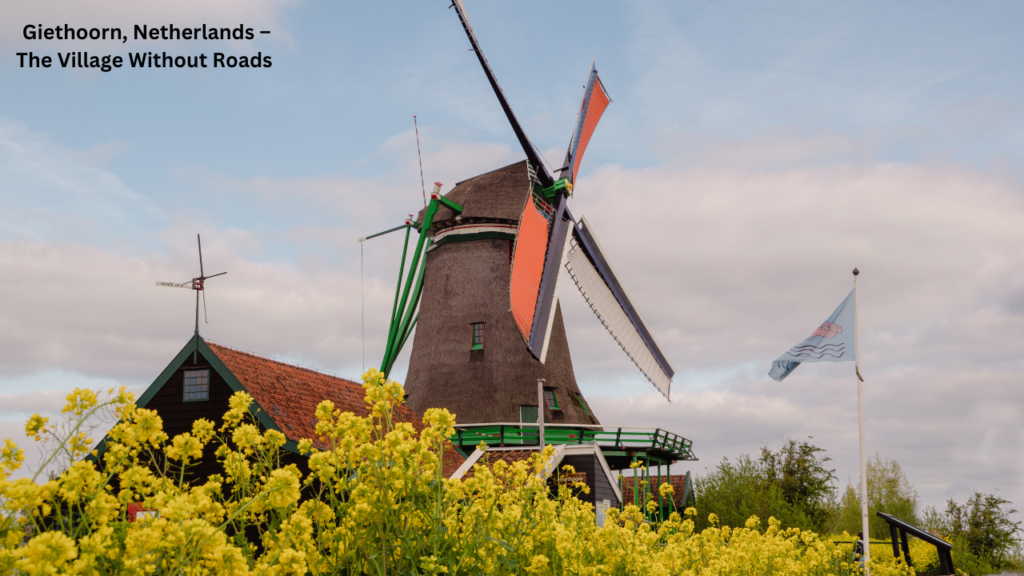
(290, 394)
(678, 484)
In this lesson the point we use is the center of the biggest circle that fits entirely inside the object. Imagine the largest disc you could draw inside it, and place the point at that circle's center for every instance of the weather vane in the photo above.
(197, 284)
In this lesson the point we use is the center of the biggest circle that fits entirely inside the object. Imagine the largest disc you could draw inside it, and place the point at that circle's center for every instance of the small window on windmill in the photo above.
(478, 336)
(197, 385)
(551, 399)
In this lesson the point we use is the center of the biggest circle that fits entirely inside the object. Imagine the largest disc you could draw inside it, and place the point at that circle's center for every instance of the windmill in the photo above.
(460, 288)
(198, 284)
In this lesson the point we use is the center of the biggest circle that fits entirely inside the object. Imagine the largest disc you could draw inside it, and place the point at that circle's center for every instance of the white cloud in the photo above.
(727, 263)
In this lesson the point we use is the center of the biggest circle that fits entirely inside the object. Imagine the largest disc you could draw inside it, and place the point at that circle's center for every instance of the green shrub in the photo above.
(983, 533)
(791, 485)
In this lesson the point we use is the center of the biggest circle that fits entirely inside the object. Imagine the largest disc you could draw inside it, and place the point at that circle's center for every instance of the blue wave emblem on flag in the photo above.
(817, 352)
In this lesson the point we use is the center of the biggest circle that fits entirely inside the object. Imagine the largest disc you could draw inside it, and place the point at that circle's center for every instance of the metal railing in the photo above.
(625, 438)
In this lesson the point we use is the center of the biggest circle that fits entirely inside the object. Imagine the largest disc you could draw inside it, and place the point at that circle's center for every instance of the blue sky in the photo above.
(753, 154)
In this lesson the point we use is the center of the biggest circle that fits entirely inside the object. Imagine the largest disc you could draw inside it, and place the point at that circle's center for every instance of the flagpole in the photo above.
(860, 410)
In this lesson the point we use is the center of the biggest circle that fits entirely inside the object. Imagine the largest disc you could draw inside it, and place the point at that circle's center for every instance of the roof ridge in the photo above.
(281, 362)
(489, 172)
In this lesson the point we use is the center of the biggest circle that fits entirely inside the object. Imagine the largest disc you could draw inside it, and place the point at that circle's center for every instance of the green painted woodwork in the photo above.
(447, 203)
(398, 291)
(475, 236)
(656, 445)
(403, 313)
(636, 485)
(528, 415)
(562, 186)
(579, 398)
(476, 341)
(551, 399)
(389, 231)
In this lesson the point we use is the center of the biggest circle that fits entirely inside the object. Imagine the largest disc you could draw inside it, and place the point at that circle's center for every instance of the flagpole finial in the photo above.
(856, 272)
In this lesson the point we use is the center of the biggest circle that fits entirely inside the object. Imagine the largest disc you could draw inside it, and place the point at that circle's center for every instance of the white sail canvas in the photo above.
(610, 313)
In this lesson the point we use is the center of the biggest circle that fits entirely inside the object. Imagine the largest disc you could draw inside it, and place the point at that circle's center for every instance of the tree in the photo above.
(889, 491)
(845, 514)
(799, 470)
(983, 526)
(737, 491)
(791, 485)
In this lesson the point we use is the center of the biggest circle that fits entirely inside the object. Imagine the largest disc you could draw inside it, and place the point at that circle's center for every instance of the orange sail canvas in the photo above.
(595, 100)
(527, 266)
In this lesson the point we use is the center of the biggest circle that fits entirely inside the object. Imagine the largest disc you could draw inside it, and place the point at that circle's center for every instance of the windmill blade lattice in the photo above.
(543, 248)
(595, 100)
(596, 280)
(175, 284)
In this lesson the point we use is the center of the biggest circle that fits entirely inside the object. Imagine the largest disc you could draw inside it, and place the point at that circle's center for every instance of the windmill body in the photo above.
(466, 283)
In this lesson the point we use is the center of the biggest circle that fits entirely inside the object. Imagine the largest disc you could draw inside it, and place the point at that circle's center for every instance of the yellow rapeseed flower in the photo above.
(47, 553)
(283, 487)
(80, 401)
(35, 425)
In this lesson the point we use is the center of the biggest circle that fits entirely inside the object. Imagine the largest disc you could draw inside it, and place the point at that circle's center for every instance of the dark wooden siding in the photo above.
(468, 282)
(178, 416)
(599, 484)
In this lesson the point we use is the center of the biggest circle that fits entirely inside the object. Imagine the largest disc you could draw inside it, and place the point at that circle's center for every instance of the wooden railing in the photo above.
(624, 438)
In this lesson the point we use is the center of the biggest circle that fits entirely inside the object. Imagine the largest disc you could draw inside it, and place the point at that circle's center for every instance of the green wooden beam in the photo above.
(393, 334)
(448, 204)
(403, 314)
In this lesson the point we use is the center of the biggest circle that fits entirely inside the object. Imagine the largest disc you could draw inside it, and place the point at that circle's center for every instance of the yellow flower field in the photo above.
(374, 502)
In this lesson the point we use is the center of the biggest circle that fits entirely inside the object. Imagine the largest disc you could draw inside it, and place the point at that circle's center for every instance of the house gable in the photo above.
(197, 353)
(285, 398)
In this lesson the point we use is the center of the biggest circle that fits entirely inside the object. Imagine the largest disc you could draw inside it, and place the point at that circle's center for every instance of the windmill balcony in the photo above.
(620, 445)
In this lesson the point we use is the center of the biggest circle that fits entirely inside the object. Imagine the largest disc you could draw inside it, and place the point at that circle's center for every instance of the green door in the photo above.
(528, 415)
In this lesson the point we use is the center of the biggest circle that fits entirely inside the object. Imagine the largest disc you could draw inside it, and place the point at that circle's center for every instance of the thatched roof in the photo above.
(497, 196)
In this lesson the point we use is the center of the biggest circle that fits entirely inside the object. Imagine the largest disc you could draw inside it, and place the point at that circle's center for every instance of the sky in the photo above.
(754, 153)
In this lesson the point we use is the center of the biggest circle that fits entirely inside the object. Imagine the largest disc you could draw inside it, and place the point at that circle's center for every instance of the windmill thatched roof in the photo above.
(495, 196)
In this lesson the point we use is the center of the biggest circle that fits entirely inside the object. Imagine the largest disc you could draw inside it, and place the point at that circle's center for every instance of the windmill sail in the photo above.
(596, 280)
(595, 100)
(535, 296)
(531, 153)
(528, 265)
(547, 297)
